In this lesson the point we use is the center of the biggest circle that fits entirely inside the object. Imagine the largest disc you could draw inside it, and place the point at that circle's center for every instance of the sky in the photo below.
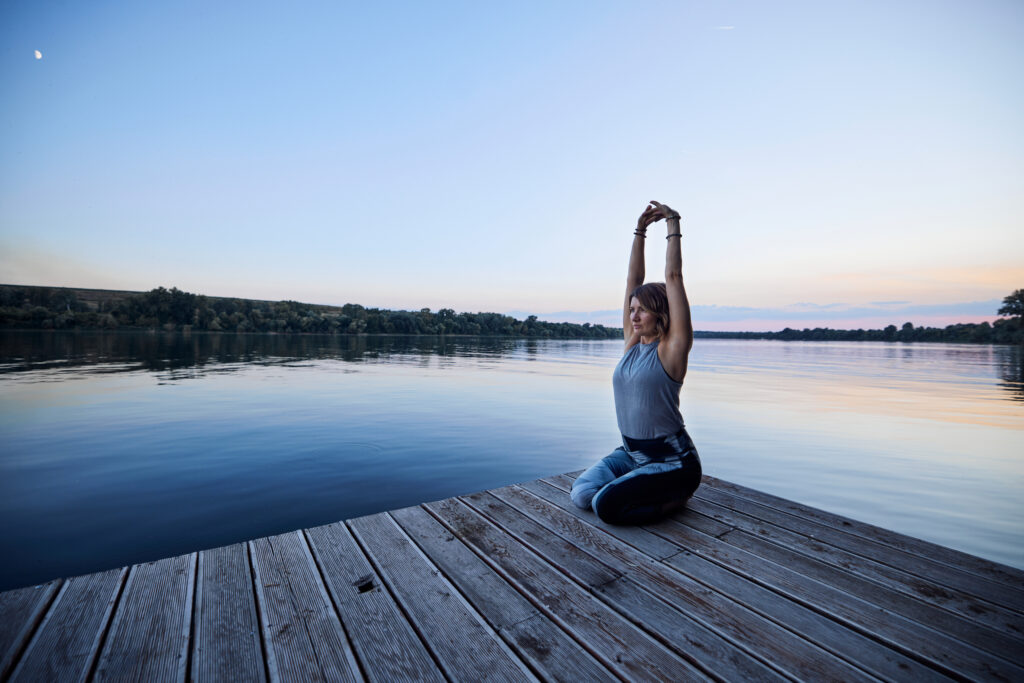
(849, 164)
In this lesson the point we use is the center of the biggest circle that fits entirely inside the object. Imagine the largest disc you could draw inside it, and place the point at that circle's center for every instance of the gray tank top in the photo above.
(646, 398)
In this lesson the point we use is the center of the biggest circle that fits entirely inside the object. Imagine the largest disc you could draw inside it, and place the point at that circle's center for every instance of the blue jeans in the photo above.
(640, 481)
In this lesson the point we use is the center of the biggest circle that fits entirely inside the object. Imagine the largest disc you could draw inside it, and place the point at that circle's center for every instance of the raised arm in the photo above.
(635, 276)
(674, 349)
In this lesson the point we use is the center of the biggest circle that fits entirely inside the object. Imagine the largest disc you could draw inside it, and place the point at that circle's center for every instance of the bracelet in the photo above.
(675, 234)
(640, 234)
(671, 216)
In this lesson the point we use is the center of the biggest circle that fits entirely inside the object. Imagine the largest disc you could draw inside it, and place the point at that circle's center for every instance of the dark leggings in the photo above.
(641, 484)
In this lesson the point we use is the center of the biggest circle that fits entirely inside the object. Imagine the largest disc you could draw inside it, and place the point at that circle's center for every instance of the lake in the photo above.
(121, 447)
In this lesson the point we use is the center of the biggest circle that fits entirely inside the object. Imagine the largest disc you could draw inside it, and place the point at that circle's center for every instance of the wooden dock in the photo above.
(517, 584)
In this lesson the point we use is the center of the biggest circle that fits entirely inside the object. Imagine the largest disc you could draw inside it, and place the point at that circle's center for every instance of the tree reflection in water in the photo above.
(177, 355)
(1010, 363)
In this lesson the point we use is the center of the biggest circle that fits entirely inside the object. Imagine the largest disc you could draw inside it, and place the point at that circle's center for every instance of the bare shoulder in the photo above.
(674, 356)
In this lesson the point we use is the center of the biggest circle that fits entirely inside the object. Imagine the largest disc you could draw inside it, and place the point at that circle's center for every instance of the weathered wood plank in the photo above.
(385, 643)
(994, 592)
(936, 618)
(517, 582)
(556, 550)
(68, 639)
(786, 635)
(149, 633)
(650, 544)
(560, 481)
(20, 612)
(899, 589)
(548, 650)
(994, 571)
(688, 636)
(460, 639)
(302, 634)
(859, 650)
(614, 640)
(497, 601)
(226, 644)
(950, 655)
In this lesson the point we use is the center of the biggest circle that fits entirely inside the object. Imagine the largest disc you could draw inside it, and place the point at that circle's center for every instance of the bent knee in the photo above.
(581, 495)
(621, 507)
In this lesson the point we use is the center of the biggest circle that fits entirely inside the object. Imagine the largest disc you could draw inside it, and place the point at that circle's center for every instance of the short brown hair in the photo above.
(654, 297)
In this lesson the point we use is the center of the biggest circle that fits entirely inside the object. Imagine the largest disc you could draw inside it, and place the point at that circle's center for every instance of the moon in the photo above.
(39, 55)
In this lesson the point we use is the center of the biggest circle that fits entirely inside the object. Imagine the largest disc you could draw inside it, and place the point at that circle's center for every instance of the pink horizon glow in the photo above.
(869, 323)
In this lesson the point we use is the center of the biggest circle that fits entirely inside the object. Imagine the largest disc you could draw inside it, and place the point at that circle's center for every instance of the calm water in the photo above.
(121, 447)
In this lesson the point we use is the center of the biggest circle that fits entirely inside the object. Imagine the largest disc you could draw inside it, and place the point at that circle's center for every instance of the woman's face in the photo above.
(644, 322)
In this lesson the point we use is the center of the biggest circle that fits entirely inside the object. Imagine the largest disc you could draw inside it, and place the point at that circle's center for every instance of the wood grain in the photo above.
(68, 639)
(464, 645)
(546, 648)
(303, 637)
(635, 599)
(614, 640)
(949, 655)
(226, 643)
(20, 613)
(995, 592)
(955, 612)
(385, 642)
(519, 584)
(149, 633)
(1011, 576)
(863, 652)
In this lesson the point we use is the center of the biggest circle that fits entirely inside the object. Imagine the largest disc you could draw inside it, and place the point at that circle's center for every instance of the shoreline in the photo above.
(698, 334)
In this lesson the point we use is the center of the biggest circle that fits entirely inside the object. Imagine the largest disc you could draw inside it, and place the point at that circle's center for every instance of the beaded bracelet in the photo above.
(675, 234)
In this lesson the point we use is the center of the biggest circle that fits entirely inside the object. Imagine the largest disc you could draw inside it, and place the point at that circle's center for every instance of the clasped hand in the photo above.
(654, 213)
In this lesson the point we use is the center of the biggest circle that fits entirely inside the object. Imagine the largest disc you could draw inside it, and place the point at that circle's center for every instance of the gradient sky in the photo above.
(835, 163)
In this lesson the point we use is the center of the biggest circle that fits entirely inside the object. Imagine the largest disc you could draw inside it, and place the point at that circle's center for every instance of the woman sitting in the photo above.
(657, 467)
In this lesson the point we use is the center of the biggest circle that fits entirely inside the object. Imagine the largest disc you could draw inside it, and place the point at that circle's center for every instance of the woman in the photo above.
(657, 468)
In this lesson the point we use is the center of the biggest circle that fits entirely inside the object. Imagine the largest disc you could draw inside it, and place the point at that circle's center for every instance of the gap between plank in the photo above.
(105, 632)
(661, 562)
(594, 590)
(330, 596)
(189, 657)
(886, 641)
(544, 611)
(386, 584)
(893, 540)
(268, 653)
(39, 619)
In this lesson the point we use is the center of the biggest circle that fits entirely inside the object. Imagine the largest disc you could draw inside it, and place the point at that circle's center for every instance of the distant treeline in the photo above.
(1009, 330)
(1002, 332)
(172, 309)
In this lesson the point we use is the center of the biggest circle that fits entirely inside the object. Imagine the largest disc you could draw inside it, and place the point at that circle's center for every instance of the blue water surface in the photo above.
(124, 447)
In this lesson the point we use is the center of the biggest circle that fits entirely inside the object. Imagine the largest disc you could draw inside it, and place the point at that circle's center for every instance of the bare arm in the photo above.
(634, 279)
(637, 271)
(674, 350)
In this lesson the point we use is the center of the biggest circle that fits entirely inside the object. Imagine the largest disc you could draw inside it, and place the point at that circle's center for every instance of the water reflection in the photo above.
(180, 356)
(1009, 362)
(111, 352)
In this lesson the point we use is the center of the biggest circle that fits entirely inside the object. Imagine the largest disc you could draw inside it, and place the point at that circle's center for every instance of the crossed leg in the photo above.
(622, 493)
